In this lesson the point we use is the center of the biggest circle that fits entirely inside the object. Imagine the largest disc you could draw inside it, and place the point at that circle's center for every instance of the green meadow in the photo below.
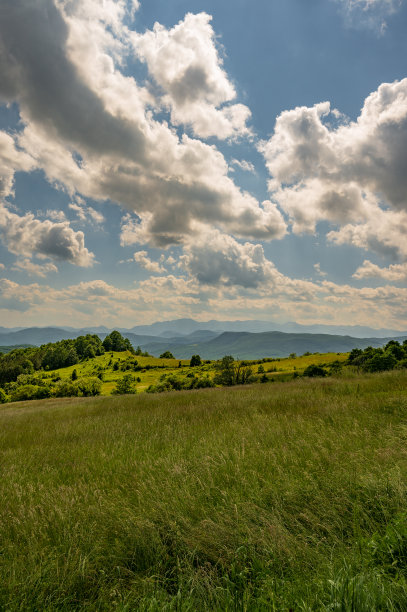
(152, 368)
(283, 496)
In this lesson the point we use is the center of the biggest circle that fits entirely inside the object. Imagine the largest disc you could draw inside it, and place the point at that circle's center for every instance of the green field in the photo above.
(277, 369)
(265, 497)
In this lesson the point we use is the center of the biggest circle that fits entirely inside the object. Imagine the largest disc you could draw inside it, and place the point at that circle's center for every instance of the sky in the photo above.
(215, 160)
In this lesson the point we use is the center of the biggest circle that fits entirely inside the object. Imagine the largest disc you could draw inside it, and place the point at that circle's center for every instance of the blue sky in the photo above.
(209, 159)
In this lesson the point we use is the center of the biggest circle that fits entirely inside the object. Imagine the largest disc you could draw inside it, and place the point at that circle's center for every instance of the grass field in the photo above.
(277, 369)
(267, 497)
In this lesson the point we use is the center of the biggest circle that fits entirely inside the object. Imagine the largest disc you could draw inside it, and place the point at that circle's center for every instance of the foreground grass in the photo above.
(269, 497)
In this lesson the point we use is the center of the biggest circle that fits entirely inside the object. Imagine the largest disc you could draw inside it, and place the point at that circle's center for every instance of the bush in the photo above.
(4, 398)
(67, 388)
(30, 392)
(167, 355)
(125, 385)
(314, 370)
(195, 361)
(89, 386)
(83, 387)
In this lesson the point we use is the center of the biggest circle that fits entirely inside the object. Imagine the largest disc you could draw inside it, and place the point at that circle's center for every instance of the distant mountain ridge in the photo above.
(209, 344)
(187, 326)
(247, 345)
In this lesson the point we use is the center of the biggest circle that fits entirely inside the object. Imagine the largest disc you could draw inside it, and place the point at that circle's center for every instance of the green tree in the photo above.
(231, 372)
(115, 342)
(167, 355)
(74, 375)
(195, 361)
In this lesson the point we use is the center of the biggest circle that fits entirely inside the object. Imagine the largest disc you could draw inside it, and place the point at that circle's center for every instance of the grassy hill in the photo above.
(152, 368)
(265, 497)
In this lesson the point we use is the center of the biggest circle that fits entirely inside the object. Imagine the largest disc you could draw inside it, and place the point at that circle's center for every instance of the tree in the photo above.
(125, 385)
(195, 361)
(231, 372)
(167, 355)
(74, 375)
(115, 342)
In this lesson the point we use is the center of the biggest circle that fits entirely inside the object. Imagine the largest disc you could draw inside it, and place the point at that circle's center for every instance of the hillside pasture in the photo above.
(152, 368)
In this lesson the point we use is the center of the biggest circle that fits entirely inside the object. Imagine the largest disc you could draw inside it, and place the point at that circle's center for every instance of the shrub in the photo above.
(29, 392)
(66, 388)
(314, 370)
(4, 398)
(167, 355)
(125, 385)
(89, 386)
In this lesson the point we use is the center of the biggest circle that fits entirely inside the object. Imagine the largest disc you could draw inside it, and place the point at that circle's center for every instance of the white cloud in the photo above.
(345, 175)
(34, 269)
(2, 266)
(27, 236)
(93, 130)
(244, 165)
(86, 213)
(317, 268)
(384, 232)
(280, 297)
(185, 63)
(394, 273)
(144, 261)
(11, 160)
(54, 215)
(369, 13)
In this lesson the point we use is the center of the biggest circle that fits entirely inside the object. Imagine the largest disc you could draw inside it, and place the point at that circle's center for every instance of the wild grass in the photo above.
(266, 497)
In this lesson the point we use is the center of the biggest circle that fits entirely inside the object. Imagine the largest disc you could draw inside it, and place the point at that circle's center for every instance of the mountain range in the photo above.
(242, 339)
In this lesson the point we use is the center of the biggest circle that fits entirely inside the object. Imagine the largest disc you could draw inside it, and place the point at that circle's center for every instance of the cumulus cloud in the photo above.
(218, 260)
(96, 132)
(393, 273)
(141, 257)
(185, 63)
(353, 175)
(284, 297)
(34, 269)
(27, 236)
(384, 232)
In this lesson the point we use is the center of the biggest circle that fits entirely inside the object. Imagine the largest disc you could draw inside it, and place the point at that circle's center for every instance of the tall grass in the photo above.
(268, 497)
